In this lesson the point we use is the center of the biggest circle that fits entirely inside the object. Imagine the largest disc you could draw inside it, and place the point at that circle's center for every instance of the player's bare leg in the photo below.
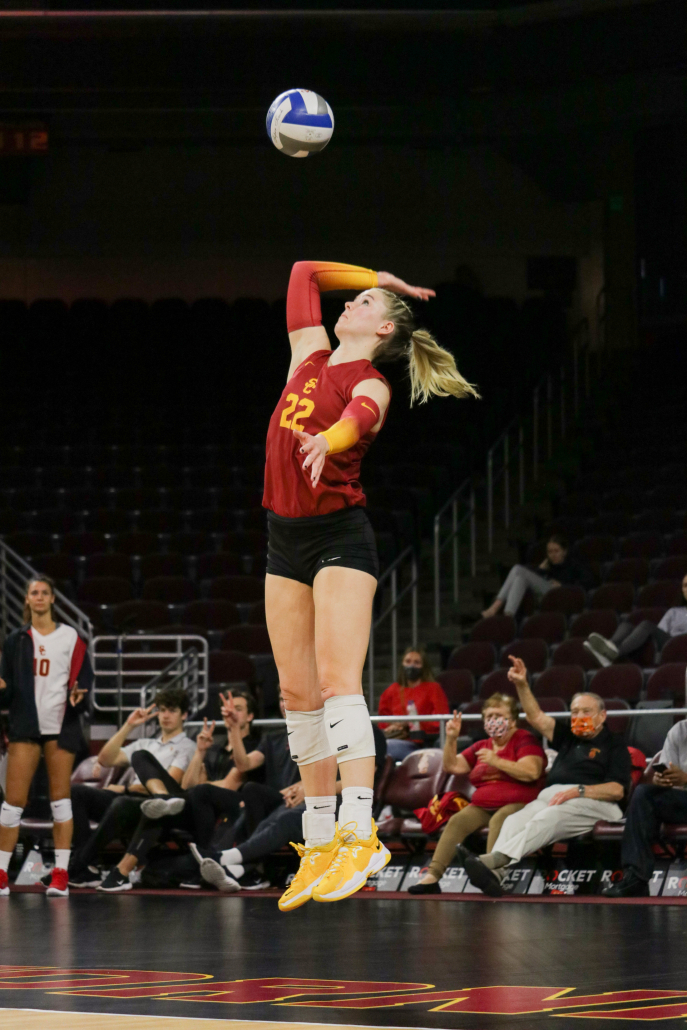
(22, 762)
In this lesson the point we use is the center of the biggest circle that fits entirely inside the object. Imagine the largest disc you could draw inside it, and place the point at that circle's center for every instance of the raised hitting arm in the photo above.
(542, 723)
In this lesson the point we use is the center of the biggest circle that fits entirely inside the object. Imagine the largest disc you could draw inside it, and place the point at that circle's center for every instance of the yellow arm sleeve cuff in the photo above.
(332, 275)
(342, 435)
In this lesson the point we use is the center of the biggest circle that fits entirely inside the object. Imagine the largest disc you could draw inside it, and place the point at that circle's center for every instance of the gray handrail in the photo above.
(187, 672)
(14, 573)
(406, 557)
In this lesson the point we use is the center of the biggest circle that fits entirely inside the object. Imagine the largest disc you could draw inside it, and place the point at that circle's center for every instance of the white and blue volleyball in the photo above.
(300, 122)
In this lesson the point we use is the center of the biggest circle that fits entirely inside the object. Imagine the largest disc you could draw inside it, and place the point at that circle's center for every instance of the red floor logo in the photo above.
(635, 1005)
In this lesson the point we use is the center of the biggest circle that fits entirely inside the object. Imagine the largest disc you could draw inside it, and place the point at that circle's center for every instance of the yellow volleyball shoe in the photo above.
(355, 860)
(314, 864)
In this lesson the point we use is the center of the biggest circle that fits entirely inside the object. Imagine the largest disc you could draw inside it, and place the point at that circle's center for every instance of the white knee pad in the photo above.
(307, 738)
(348, 726)
(61, 810)
(10, 815)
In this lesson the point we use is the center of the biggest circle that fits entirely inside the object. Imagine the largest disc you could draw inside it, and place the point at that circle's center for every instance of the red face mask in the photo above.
(583, 725)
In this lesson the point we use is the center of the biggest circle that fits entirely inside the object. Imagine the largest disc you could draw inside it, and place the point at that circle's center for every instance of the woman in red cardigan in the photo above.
(415, 693)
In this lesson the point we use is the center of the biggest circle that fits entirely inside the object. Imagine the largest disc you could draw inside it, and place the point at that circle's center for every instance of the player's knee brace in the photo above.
(61, 810)
(10, 815)
(348, 726)
(307, 738)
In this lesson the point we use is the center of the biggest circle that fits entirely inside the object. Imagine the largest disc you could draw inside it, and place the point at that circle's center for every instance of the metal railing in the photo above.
(405, 563)
(628, 713)
(124, 678)
(14, 573)
(513, 462)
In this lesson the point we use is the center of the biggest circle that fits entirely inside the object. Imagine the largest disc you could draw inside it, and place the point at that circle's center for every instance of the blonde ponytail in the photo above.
(432, 369)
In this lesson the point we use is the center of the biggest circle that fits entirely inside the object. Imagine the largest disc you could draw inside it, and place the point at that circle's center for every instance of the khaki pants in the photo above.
(460, 826)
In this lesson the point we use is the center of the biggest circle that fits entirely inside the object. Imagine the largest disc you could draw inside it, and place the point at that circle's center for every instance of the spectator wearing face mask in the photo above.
(415, 693)
(587, 782)
(506, 770)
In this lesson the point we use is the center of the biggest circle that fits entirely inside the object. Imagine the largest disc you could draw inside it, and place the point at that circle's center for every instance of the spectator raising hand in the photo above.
(204, 739)
(454, 725)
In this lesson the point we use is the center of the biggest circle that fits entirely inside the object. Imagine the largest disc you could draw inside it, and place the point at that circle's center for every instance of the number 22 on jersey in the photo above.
(306, 409)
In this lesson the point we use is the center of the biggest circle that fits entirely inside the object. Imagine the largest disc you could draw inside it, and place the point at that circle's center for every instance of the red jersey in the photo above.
(428, 698)
(496, 788)
(313, 400)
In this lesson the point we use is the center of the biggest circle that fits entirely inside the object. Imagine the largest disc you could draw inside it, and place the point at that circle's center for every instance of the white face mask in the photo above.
(496, 725)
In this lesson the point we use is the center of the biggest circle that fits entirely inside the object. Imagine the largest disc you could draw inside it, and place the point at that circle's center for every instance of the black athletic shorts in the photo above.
(41, 739)
(299, 548)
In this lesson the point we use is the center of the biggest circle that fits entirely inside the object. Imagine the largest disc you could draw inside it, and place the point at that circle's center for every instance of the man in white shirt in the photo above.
(167, 756)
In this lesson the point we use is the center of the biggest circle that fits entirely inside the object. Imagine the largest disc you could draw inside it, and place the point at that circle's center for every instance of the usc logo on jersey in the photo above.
(41, 649)
(310, 386)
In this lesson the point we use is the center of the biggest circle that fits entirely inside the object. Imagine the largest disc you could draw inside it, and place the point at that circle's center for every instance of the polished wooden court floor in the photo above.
(143, 962)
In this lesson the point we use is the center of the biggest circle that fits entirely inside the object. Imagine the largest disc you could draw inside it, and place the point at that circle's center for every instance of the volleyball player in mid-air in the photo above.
(322, 563)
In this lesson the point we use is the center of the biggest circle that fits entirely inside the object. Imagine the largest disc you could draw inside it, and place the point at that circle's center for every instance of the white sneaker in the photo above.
(217, 875)
(158, 808)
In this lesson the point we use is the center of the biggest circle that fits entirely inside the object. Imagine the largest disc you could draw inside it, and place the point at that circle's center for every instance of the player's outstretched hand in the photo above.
(315, 449)
(387, 281)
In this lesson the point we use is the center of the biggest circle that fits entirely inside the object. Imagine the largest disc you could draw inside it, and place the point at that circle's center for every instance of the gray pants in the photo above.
(539, 824)
(517, 581)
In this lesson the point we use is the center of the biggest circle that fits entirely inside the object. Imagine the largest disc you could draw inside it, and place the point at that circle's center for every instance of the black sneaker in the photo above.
(425, 888)
(478, 874)
(629, 887)
(191, 883)
(88, 877)
(253, 880)
(114, 882)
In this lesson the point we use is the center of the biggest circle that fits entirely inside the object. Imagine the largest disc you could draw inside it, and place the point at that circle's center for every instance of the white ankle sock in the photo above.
(356, 807)
(319, 820)
(5, 857)
(232, 856)
(62, 857)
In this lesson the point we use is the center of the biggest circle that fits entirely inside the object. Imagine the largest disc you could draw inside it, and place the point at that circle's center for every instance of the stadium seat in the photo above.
(653, 614)
(239, 589)
(105, 590)
(616, 523)
(163, 521)
(533, 651)
(134, 615)
(458, 685)
(190, 543)
(667, 683)
(550, 705)
(136, 543)
(479, 657)
(603, 621)
(664, 593)
(675, 650)
(497, 630)
(247, 638)
(548, 626)
(55, 520)
(84, 543)
(560, 681)
(573, 652)
(256, 614)
(230, 668)
(566, 599)
(57, 566)
(676, 544)
(617, 723)
(618, 596)
(108, 565)
(211, 520)
(655, 520)
(627, 570)
(621, 500)
(673, 567)
(137, 498)
(218, 563)
(618, 681)
(416, 780)
(27, 543)
(474, 729)
(212, 614)
(595, 549)
(11, 521)
(584, 505)
(641, 545)
(669, 496)
(106, 520)
(154, 565)
(495, 682)
(170, 589)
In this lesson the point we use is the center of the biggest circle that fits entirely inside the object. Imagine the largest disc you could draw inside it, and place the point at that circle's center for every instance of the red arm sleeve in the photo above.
(357, 419)
(310, 278)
